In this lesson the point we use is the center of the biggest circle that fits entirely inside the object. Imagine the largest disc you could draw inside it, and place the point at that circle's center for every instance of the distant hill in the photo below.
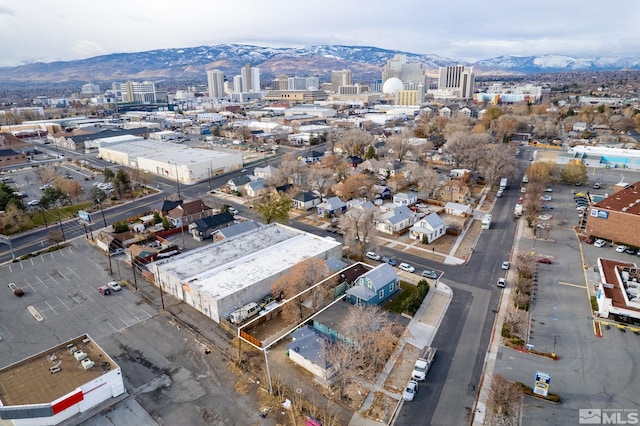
(365, 62)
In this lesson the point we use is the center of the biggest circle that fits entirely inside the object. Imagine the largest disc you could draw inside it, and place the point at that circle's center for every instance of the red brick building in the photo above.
(617, 218)
(9, 157)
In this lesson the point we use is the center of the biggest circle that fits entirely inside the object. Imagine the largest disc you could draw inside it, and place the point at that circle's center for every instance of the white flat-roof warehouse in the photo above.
(219, 278)
(188, 165)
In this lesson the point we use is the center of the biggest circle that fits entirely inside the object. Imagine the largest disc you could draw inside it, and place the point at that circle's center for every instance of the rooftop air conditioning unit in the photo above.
(87, 363)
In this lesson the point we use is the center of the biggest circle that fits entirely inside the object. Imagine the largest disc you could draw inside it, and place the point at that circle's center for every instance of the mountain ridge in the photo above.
(365, 62)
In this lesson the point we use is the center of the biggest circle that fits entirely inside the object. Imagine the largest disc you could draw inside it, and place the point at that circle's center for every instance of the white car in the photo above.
(499, 193)
(114, 285)
(502, 282)
(33, 203)
(546, 198)
(621, 249)
(410, 391)
(544, 217)
(548, 190)
(373, 255)
(406, 267)
(505, 265)
(599, 243)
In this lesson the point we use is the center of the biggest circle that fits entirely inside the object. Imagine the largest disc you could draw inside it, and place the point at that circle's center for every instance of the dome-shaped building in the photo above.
(392, 85)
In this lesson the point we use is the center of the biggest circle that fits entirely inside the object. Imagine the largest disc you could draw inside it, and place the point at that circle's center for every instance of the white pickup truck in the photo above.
(421, 368)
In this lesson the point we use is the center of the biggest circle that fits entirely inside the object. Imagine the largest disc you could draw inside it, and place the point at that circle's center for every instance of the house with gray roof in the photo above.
(255, 188)
(237, 183)
(396, 220)
(235, 229)
(202, 229)
(405, 199)
(305, 200)
(428, 229)
(374, 286)
(308, 349)
(331, 206)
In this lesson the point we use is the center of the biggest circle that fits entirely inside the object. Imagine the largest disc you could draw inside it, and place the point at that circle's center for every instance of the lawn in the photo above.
(67, 212)
(395, 303)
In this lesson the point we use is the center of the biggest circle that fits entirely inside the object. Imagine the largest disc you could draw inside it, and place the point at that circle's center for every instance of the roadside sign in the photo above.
(84, 216)
(541, 383)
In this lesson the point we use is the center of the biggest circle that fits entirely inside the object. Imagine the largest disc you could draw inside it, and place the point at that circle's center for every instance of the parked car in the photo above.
(33, 203)
(391, 261)
(599, 243)
(502, 282)
(505, 265)
(410, 391)
(631, 251)
(588, 241)
(596, 185)
(45, 186)
(406, 267)
(621, 248)
(544, 260)
(548, 190)
(546, 198)
(499, 193)
(547, 207)
(114, 285)
(430, 274)
(233, 211)
(373, 255)
(104, 290)
(545, 217)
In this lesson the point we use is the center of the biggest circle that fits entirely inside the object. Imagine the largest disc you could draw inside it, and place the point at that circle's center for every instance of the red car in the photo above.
(544, 260)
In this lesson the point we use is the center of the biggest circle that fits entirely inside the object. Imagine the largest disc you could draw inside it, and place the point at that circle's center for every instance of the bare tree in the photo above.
(497, 161)
(503, 395)
(357, 185)
(515, 320)
(399, 144)
(55, 237)
(293, 170)
(354, 141)
(360, 229)
(340, 357)
(320, 178)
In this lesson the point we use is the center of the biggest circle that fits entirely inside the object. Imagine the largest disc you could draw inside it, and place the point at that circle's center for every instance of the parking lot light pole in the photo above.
(266, 360)
(61, 227)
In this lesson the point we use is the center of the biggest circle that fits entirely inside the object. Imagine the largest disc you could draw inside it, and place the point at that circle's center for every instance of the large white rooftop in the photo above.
(223, 268)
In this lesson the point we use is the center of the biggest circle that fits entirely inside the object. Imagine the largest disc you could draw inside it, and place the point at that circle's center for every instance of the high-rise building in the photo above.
(399, 68)
(215, 81)
(90, 88)
(136, 92)
(250, 79)
(303, 83)
(237, 84)
(458, 79)
(340, 78)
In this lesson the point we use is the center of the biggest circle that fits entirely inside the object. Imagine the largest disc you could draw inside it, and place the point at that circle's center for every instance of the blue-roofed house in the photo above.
(396, 220)
(374, 286)
(428, 229)
(331, 206)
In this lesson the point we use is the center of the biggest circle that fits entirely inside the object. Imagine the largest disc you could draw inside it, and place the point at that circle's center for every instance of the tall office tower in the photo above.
(303, 83)
(215, 81)
(459, 79)
(399, 68)
(340, 78)
(237, 84)
(250, 79)
(90, 89)
(136, 92)
(281, 82)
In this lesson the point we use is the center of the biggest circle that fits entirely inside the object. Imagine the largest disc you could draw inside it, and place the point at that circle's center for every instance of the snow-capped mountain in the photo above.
(365, 63)
(554, 63)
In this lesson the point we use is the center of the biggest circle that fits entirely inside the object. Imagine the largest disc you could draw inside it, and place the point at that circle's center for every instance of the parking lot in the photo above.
(62, 301)
(592, 371)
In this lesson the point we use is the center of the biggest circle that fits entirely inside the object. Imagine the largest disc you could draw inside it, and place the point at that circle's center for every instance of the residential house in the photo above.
(188, 212)
(381, 191)
(305, 200)
(445, 112)
(284, 187)
(371, 165)
(579, 126)
(454, 191)
(355, 161)
(255, 188)
(331, 206)
(313, 157)
(428, 229)
(237, 183)
(405, 199)
(396, 220)
(235, 229)
(264, 172)
(168, 205)
(203, 229)
(374, 286)
(389, 168)
(457, 209)
(308, 349)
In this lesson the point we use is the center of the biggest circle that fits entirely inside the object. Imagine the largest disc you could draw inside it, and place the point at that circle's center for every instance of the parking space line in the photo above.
(85, 295)
(32, 264)
(114, 329)
(63, 276)
(54, 280)
(30, 286)
(41, 282)
(50, 307)
(62, 303)
(73, 272)
(572, 285)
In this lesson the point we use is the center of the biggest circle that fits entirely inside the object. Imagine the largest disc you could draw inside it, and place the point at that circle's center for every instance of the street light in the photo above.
(177, 180)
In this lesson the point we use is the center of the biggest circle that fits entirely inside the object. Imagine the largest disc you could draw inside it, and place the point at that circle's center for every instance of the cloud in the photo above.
(87, 49)
(6, 11)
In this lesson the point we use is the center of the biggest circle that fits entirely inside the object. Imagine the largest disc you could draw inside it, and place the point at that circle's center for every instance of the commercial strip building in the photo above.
(600, 156)
(616, 217)
(58, 383)
(222, 277)
(183, 164)
(618, 293)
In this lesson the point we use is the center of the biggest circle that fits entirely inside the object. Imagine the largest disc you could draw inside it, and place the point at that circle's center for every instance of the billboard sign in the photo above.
(600, 214)
(84, 216)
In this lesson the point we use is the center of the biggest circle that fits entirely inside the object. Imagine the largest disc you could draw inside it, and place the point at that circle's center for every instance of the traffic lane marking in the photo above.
(572, 285)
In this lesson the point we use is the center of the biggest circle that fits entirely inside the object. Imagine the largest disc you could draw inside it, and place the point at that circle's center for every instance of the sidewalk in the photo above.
(420, 333)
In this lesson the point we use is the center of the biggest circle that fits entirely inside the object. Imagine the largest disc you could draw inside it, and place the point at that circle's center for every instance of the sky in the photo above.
(63, 30)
